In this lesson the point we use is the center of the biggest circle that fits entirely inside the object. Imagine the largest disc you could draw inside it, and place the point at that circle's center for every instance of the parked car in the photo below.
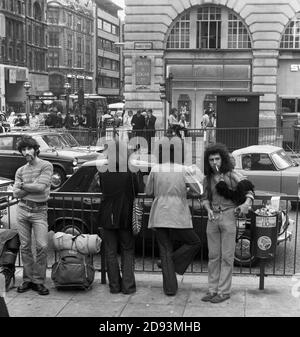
(271, 168)
(72, 142)
(65, 160)
(4, 200)
(4, 121)
(72, 212)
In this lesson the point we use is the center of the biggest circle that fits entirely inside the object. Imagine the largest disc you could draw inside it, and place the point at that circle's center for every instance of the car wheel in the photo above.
(243, 256)
(58, 177)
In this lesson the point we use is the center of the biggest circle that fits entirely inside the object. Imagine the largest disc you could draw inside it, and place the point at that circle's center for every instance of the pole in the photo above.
(262, 274)
(67, 101)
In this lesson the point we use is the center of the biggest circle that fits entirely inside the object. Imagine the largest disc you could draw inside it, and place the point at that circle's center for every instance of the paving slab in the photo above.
(87, 308)
(153, 310)
(35, 307)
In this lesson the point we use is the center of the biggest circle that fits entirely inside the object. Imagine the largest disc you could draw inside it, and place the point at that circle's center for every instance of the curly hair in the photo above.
(221, 149)
(28, 141)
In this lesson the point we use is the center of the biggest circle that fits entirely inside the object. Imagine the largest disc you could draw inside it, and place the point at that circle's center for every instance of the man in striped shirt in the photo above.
(32, 187)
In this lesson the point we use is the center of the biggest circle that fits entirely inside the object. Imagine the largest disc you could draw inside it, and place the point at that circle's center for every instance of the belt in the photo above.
(31, 203)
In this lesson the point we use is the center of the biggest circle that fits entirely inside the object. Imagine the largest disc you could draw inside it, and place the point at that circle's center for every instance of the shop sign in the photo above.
(143, 71)
(143, 45)
(237, 99)
(295, 67)
(12, 76)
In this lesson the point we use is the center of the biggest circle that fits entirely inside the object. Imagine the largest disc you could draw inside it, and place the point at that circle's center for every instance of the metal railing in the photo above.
(288, 138)
(78, 212)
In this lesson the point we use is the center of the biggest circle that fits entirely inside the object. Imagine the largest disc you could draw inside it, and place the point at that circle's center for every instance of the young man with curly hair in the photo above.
(226, 194)
(32, 188)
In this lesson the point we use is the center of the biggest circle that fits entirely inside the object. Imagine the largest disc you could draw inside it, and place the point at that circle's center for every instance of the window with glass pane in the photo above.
(180, 34)
(288, 104)
(291, 36)
(238, 37)
(209, 27)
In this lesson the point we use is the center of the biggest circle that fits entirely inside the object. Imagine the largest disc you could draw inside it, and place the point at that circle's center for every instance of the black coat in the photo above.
(119, 189)
(138, 122)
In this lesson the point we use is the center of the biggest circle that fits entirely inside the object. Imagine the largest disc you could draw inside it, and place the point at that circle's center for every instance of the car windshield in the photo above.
(282, 160)
(53, 141)
(69, 140)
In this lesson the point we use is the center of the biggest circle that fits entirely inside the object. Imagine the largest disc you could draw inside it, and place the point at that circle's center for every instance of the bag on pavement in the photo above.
(73, 270)
(9, 248)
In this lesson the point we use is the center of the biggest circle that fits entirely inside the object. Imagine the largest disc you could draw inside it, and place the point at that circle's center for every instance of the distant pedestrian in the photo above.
(150, 128)
(170, 214)
(119, 188)
(34, 121)
(127, 118)
(20, 121)
(174, 127)
(138, 124)
(32, 188)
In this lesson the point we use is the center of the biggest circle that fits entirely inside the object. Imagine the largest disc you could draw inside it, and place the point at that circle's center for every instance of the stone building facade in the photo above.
(70, 45)
(23, 51)
(212, 46)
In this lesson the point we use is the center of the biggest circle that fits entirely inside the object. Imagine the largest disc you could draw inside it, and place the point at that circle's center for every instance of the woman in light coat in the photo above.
(170, 213)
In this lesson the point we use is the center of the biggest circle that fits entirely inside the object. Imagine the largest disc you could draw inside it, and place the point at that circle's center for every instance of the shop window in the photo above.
(291, 36)
(289, 105)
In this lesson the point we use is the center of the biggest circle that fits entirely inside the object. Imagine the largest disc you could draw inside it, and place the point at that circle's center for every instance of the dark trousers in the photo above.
(179, 260)
(112, 238)
(3, 308)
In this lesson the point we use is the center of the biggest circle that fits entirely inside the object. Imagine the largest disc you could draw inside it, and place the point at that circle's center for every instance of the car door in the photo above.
(10, 158)
(263, 173)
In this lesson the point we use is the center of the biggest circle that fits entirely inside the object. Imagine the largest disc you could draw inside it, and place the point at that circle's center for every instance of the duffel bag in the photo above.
(83, 243)
(72, 270)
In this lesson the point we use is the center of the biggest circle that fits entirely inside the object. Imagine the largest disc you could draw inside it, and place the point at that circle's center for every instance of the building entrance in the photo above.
(194, 83)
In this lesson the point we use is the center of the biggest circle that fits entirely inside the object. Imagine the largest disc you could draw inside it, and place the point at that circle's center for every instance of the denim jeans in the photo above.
(221, 234)
(33, 220)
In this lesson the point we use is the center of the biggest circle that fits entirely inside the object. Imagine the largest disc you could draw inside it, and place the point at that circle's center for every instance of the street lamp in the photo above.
(27, 87)
(67, 87)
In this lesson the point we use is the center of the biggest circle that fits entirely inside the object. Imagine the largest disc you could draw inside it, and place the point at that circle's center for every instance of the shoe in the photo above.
(25, 286)
(220, 298)
(208, 297)
(158, 263)
(40, 288)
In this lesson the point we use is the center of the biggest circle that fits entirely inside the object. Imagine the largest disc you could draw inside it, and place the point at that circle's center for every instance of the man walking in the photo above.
(224, 190)
(150, 128)
(138, 124)
(32, 187)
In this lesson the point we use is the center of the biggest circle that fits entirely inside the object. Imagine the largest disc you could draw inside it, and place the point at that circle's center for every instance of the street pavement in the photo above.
(280, 297)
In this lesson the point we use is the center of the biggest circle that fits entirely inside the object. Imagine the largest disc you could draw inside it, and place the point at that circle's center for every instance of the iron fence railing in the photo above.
(288, 138)
(78, 212)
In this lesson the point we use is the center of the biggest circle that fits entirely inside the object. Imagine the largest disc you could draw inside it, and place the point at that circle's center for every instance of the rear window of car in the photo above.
(6, 143)
(80, 181)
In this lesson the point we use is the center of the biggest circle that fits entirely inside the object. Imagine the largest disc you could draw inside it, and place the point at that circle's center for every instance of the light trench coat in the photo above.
(168, 183)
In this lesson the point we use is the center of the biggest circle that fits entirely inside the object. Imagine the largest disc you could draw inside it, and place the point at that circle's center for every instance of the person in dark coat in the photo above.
(138, 124)
(149, 128)
(119, 188)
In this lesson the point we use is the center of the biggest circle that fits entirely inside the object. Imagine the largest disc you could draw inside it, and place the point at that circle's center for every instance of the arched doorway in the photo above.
(208, 49)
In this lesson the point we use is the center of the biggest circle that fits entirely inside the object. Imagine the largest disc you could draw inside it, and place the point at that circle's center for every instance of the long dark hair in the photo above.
(222, 150)
(28, 141)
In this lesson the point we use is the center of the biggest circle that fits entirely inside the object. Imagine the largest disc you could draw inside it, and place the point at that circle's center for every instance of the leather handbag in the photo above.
(137, 213)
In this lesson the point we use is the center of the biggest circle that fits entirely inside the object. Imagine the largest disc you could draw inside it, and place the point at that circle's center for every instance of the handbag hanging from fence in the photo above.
(137, 213)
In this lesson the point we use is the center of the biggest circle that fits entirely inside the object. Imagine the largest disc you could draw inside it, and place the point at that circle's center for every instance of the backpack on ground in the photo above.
(9, 248)
(73, 270)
